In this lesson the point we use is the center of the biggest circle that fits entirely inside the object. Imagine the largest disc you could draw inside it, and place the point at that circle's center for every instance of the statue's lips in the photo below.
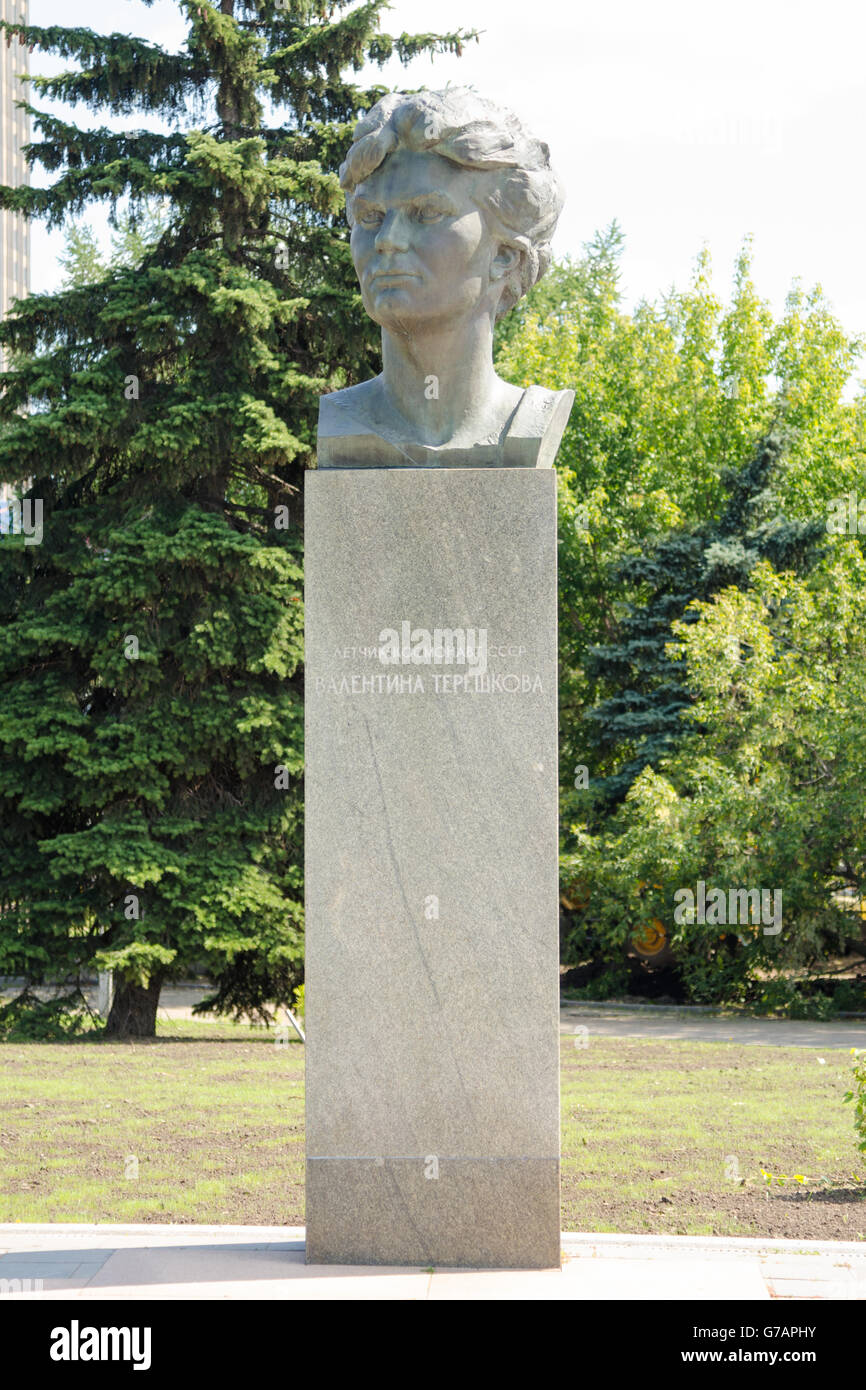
(381, 275)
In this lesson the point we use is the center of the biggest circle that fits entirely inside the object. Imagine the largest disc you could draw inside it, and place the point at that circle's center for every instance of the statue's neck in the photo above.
(442, 383)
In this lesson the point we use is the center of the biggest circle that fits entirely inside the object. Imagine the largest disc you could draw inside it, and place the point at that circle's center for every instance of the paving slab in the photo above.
(809, 1288)
(91, 1263)
(665, 1279)
(360, 1285)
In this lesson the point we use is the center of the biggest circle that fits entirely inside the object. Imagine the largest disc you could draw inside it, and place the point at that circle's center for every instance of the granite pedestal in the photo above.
(431, 868)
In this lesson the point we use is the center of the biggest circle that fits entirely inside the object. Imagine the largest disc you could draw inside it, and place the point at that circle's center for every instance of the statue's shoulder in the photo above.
(537, 427)
(349, 411)
(352, 432)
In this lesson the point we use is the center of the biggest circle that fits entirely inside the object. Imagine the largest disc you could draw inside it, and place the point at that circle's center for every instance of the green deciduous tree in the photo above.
(672, 400)
(764, 786)
(642, 720)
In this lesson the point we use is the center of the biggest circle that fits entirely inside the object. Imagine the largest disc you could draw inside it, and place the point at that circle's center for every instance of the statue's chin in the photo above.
(384, 302)
(398, 314)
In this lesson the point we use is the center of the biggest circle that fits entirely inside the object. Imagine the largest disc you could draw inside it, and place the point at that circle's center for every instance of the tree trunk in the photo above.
(133, 1012)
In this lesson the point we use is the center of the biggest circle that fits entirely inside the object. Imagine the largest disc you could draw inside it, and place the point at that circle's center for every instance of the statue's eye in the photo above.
(429, 214)
(369, 218)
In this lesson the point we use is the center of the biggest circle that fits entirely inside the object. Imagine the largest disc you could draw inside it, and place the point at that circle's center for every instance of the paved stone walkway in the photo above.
(655, 1022)
(684, 1026)
(86, 1263)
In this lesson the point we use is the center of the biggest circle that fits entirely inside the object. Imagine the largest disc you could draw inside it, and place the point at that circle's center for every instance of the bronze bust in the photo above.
(452, 205)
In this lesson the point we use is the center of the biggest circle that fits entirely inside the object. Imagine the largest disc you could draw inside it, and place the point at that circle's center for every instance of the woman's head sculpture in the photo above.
(518, 193)
(452, 206)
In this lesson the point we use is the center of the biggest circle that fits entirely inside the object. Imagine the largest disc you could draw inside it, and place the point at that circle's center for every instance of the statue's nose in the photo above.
(393, 235)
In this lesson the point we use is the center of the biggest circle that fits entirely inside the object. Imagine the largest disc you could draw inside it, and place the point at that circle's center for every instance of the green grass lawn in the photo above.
(206, 1124)
(663, 1136)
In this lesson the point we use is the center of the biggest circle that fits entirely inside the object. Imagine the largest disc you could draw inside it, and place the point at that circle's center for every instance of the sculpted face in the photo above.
(422, 250)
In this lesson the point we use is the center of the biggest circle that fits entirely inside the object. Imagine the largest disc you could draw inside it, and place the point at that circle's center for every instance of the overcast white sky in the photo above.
(688, 122)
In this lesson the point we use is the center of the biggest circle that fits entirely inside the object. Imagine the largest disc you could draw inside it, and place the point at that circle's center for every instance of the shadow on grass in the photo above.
(834, 1196)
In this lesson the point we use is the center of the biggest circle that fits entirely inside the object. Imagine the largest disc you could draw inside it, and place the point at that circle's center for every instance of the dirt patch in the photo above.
(835, 1214)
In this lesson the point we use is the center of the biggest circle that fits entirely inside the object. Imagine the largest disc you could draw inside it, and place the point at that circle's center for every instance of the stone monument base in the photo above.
(487, 1213)
(432, 923)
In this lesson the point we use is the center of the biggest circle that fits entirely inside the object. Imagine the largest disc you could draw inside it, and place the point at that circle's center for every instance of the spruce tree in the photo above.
(640, 719)
(151, 677)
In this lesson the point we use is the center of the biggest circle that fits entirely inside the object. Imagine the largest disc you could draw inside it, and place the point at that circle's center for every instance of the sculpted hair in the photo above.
(525, 195)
